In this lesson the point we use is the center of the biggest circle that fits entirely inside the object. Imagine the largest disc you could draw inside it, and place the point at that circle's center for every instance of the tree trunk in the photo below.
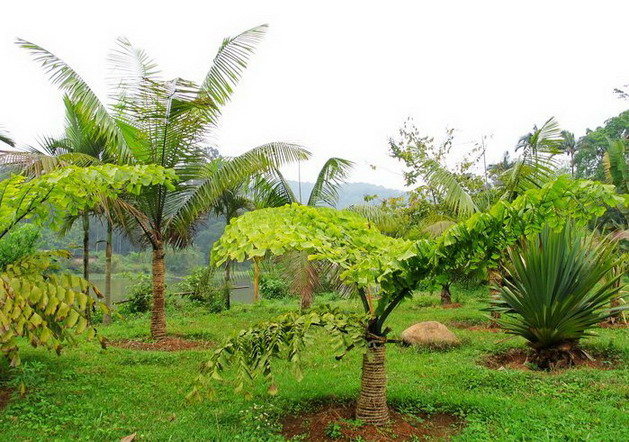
(86, 245)
(108, 256)
(307, 282)
(446, 296)
(158, 314)
(256, 279)
(228, 284)
(371, 406)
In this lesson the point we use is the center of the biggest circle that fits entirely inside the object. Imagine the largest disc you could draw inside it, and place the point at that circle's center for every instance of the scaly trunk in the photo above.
(86, 246)
(227, 288)
(108, 268)
(371, 406)
(446, 296)
(86, 258)
(558, 356)
(256, 279)
(158, 314)
(307, 283)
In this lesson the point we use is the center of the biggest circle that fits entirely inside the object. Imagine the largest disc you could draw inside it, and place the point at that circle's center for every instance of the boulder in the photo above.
(429, 334)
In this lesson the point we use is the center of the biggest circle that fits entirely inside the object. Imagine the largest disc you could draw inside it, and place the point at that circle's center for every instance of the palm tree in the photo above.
(569, 147)
(274, 191)
(166, 122)
(81, 144)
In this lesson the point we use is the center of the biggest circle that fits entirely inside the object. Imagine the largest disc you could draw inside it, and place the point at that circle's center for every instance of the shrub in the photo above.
(199, 286)
(273, 286)
(18, 243)
(140, 295)
(556, 290)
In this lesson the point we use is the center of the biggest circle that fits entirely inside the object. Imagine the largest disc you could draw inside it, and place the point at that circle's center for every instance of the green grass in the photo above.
(91, 394)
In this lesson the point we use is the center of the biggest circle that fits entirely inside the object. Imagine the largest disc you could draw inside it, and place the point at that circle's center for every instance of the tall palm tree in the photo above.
(166, 122)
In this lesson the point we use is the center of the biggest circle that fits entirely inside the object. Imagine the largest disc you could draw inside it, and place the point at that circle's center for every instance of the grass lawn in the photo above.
(104, 395)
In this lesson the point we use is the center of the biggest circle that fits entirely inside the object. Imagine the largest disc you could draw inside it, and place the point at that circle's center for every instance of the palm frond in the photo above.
(227, 68)
(197, 198)
(272, 190)
(455, 196)
(79, 92)
(6, 138)
(331, 177)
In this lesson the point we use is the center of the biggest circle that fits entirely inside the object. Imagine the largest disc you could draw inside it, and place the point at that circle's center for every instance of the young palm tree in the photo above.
(166, 122)
(556, 291)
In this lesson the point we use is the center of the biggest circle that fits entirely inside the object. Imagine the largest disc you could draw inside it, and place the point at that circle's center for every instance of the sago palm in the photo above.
(167, 122)
(556, 291)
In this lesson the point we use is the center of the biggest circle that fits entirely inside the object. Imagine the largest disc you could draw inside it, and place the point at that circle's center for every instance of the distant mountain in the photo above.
(350, 193)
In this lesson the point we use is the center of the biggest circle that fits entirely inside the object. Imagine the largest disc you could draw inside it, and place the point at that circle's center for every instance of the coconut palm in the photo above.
(167, 122)
(556, 291)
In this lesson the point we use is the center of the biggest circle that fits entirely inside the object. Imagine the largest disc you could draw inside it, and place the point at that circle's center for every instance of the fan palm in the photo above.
(166, 122)
(556, 290)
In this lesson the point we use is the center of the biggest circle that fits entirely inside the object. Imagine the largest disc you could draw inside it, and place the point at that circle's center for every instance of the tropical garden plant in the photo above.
(167, 122)
(46, 307)
(557, 290)
(371, 260)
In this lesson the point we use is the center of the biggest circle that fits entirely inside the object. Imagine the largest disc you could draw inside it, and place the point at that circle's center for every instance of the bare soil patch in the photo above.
(476, 326)
(171, 343)
(520, 359)
(336, 422)
(617, 324)
(453, 305)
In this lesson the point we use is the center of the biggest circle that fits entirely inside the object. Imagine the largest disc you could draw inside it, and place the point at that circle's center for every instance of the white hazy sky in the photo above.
(340, 77)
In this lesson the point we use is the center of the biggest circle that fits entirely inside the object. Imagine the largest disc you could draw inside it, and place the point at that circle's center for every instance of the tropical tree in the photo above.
(557, 291)
(370, 259)
(274, 191)
(47, 307)
(165, 122)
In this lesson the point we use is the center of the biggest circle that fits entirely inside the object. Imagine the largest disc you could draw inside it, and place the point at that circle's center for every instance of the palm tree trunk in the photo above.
(256, 279)
(371, 406)
(446, 296)
(86, 245)
(227, 288)
(108, 268)
(158, 314)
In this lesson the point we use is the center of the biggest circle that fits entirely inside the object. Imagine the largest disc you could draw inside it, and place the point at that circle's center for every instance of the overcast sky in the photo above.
(340, 77)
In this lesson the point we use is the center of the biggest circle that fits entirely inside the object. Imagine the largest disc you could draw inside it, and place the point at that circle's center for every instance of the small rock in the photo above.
(429, 334)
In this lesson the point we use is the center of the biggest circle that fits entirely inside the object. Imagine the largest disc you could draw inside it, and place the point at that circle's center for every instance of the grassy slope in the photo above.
(89, 394)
